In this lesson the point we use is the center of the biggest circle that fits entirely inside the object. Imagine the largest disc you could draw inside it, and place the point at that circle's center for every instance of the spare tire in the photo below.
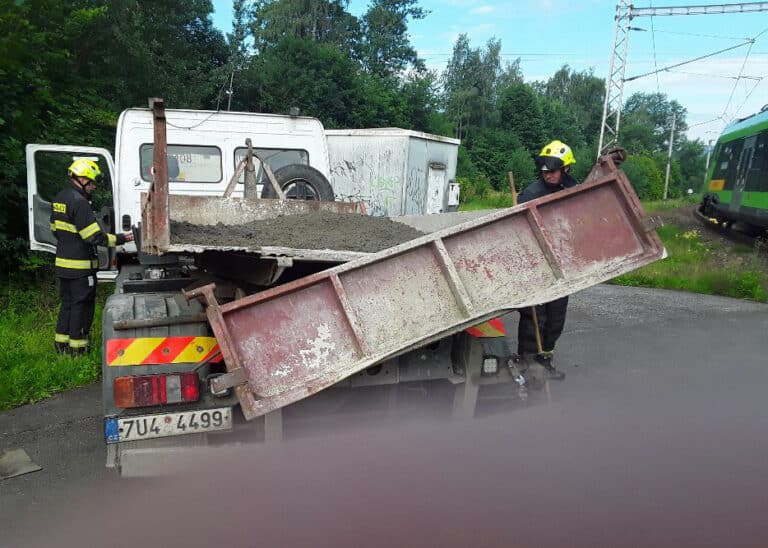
(300, 182)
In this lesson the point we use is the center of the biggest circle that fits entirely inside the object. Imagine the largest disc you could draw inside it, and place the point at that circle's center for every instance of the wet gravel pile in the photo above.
(318, 230)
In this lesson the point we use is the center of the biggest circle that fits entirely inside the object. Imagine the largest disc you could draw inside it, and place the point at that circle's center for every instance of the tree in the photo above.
(645, 176)
(521, 114)
(581, 93)
(323, 21)
(469, 85)
(386, 50)
(692, 158)
(317, 78)
(647, 122)
(165, 48)
(560, 122)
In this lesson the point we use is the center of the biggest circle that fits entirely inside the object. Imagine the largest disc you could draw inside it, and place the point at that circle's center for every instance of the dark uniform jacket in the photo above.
(540, 188)
(77, 234)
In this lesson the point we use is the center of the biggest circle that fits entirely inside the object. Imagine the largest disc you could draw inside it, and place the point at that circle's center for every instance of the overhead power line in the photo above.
(664, 69)
(614, 84)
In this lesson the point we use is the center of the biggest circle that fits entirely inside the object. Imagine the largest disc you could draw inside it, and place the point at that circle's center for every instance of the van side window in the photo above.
(186, 163)
(275, 158)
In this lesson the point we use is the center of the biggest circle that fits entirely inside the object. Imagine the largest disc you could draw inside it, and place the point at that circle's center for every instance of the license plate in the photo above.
(170, 424)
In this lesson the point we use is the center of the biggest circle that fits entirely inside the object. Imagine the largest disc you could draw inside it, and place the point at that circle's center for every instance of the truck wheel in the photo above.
(300, 182)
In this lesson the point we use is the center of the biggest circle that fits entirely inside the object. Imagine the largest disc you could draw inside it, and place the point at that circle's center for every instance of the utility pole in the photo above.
(614, 84)
(669, 156)
(230, 92)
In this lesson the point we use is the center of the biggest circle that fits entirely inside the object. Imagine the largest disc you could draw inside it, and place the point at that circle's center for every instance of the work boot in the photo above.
(62, 347)
(545, 359)
(517, 369)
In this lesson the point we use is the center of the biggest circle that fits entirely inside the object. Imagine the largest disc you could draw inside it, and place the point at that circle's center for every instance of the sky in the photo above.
(547, 34)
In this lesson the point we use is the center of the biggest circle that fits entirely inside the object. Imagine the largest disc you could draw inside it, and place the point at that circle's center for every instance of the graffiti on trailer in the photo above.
(415, 192)
(357, 182)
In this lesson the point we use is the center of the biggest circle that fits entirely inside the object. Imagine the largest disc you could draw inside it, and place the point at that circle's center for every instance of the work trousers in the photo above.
(78, 301)
(551, 317)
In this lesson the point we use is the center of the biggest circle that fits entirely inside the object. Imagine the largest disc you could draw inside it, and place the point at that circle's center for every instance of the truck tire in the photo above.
(300, 182)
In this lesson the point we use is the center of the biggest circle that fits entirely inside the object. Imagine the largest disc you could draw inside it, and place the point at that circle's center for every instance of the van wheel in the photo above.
(300, 182)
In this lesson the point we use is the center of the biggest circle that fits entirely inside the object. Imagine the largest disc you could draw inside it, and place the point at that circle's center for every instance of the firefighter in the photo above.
(77, 235)
(554, 164)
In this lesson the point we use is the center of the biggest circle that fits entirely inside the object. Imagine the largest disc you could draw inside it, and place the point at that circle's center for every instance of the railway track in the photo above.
(735, 232)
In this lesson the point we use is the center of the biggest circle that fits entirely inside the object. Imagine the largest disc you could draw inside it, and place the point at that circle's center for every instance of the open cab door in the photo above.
(47, 174)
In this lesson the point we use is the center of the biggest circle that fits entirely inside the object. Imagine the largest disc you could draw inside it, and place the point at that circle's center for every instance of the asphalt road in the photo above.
(656, 437)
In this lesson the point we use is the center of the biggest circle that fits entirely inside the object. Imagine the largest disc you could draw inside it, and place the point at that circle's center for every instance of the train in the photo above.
(736, 187)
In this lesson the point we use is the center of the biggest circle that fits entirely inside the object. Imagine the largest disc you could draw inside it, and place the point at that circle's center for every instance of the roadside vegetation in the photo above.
(30, 370)
(700, 261)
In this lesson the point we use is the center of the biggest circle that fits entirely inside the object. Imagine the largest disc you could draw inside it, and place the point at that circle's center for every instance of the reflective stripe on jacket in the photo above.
(77, 234)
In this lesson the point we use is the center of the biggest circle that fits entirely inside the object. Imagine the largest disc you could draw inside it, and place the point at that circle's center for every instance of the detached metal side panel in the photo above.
(294, 340)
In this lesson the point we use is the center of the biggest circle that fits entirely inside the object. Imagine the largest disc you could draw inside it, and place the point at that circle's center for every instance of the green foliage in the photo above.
(581, 93)
(521, 114)
(491, 154)
(385, 49)
(645, 176)
(30, 369)
(325, 22)
(647, 122)
(470, 85)
(491, 200)
(700, 268)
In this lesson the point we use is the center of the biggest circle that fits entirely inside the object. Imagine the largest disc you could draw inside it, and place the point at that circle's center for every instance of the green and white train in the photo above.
(736, 187)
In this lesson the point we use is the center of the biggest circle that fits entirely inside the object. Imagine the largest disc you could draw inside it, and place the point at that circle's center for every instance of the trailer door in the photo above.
(436, 184)
(47, 173)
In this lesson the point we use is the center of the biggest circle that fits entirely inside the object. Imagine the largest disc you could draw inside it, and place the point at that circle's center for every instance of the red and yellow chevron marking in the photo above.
(161, 350)
(491, 328)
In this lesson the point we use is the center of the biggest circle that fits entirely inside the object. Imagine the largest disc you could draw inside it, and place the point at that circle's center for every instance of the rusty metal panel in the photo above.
(304, 336)
(290, 357)
(155, 233)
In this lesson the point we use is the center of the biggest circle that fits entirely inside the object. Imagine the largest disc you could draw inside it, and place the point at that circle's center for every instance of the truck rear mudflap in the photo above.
(291, 341)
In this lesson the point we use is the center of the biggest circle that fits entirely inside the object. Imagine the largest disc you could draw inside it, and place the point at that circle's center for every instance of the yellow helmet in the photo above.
(83, 167)
(555, 155)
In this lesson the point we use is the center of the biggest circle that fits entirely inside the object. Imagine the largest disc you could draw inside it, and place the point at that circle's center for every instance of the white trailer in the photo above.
(394, 171)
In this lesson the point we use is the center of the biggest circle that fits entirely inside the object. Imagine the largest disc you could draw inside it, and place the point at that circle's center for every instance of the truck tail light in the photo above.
(148, 390)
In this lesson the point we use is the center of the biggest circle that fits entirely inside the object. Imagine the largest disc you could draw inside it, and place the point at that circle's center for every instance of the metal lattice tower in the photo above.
(614, 84)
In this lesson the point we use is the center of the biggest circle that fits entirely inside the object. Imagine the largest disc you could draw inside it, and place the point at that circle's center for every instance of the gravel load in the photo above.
(317, 230)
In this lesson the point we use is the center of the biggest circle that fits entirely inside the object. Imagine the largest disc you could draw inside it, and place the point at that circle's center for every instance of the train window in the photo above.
(727, 161)
(756, 178)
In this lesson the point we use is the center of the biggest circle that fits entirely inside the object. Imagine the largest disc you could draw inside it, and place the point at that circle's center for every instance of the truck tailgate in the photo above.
(293, 340)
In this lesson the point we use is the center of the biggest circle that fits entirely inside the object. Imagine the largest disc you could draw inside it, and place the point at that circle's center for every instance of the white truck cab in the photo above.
(204, 148)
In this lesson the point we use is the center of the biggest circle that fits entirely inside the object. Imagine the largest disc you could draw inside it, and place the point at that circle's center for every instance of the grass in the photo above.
(711, 269)
(492, 200)
(30, 369)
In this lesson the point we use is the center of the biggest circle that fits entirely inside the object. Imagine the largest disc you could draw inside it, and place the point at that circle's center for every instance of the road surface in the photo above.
(656, 437)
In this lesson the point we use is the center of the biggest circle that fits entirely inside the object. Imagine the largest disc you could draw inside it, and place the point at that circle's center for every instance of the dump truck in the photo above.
(209, 333)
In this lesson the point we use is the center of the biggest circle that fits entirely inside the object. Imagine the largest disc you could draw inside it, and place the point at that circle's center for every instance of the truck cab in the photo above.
(204, 148)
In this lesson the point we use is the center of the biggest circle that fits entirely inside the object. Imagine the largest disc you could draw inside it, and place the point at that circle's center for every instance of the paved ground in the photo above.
(656, 437)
